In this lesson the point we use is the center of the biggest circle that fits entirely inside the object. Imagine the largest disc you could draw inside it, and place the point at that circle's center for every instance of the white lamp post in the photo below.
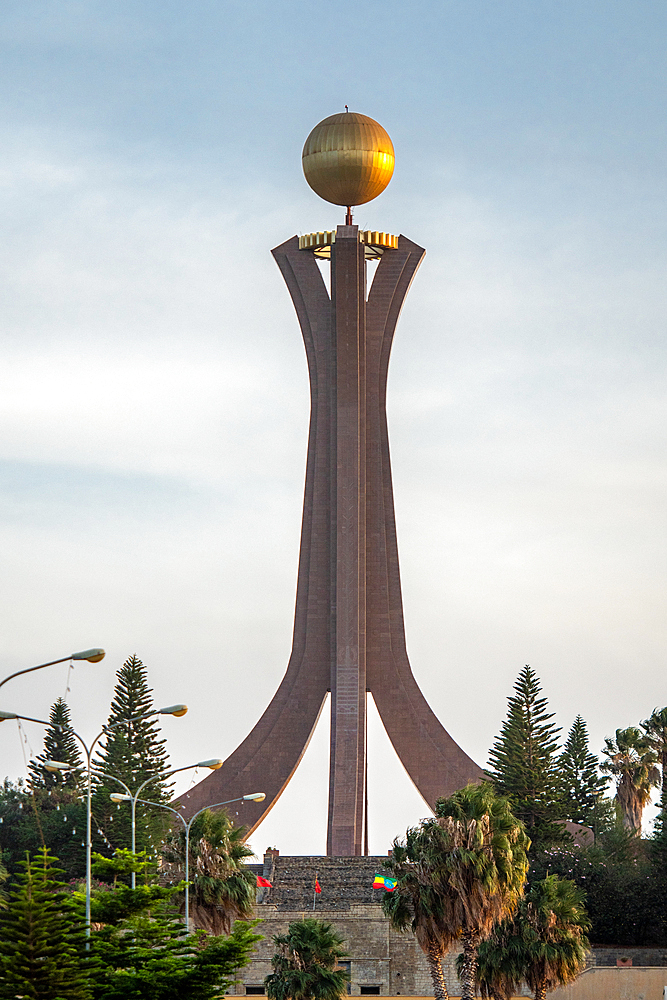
(56, 765)
(253, 797)
(214, 764)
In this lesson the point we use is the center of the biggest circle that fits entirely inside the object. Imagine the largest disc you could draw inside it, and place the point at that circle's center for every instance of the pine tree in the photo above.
(42, 938)
(523, 765)
(132, 752)
(141, 949)
(59, 744)
(582, 787)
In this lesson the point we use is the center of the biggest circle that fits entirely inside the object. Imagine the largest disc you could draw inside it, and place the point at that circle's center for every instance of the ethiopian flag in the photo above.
(382, 882)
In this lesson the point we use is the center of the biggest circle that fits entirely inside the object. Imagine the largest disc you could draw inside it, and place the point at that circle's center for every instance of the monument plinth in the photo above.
(349, 635)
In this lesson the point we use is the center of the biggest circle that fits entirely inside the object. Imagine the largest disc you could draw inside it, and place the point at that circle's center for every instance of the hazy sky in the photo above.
(153, 385)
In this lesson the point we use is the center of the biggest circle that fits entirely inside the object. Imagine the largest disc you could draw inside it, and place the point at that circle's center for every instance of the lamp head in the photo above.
(215, 763)
(8, 715)
(255, 797)
(92, 655)
(119, 797)
(177, 710)
(56, 765)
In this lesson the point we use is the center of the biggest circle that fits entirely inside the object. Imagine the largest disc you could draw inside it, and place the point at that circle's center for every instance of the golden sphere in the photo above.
(348, 159)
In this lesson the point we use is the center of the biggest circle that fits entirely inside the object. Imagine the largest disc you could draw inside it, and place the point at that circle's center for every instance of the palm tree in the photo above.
(557, 922)
(417, 901)
(486, 867)
(631, 761)
(655, 729)
(223, 887)
(305, 963)
(500, 963)
(545, 943)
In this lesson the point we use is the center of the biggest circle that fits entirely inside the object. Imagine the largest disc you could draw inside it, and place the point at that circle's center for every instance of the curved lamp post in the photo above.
(214, 764)
(253, 797)
(92, 655)
(55, 765)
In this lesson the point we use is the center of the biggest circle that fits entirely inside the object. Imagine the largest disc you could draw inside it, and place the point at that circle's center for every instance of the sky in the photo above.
(153, 385)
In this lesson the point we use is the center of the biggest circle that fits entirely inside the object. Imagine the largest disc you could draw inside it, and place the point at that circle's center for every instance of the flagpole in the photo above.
(315, 890)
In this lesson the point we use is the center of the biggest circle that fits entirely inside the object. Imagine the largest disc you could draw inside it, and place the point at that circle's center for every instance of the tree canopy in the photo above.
(523, 762)
(305, 963)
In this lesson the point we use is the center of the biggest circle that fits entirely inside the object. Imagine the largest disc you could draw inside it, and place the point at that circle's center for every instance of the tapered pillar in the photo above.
(348, 481)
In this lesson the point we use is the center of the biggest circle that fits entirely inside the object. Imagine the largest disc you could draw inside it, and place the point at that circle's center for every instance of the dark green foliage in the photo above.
(54, 817)
(119, 902)
(60, 744)
(132, 751)
(142, 950)
(150, 959)
(523, 763)
(304, 965)
(581, 785)
(625, 900)
(223, 887)
(42, 938)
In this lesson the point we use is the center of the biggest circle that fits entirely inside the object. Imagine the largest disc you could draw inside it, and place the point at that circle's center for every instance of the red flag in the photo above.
(318, 888)
(264, 882)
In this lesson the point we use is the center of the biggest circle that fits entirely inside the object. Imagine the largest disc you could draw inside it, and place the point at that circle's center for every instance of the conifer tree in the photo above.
(132, 751)
(582, 786)
(42, 938)
(59, 744)
(523, 764)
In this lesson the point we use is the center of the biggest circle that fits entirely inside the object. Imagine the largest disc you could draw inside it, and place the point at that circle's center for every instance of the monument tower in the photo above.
(348, 630)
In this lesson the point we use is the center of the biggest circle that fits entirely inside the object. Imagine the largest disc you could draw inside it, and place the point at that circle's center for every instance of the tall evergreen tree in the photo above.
(59, 744)
(133, 752)
(581, 784)
(42, 938)
(523, 764)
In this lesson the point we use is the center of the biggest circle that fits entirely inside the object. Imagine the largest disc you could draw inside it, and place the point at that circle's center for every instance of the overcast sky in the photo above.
(153, 385)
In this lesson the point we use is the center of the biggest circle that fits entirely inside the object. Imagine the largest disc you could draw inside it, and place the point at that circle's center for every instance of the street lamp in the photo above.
(253, 797)
(55, 765)
(92, 655)
(214, 764)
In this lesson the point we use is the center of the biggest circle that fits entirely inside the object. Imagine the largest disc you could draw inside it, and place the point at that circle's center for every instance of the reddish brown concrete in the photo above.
(348, 630)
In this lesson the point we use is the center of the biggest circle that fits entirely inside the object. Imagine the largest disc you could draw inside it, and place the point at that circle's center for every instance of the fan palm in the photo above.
(223, 887)
(304, 965)
(486, 866)
(632, 762)
(545, 943)
(417, 901)
(557, 924)
(655, 729)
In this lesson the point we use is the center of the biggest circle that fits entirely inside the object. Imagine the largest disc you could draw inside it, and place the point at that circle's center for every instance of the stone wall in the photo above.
(381, 959)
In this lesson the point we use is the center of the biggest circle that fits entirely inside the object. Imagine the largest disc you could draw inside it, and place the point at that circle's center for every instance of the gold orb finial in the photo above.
(348, 159)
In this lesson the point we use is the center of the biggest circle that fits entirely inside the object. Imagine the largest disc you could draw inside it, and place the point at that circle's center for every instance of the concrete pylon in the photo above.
(349, 635)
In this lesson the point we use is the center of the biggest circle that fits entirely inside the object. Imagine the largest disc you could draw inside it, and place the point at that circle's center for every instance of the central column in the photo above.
(347, 775)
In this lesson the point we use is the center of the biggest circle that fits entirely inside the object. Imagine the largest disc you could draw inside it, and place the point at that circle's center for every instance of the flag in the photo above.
(383, 882)
(264, 882)
(318, 887)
